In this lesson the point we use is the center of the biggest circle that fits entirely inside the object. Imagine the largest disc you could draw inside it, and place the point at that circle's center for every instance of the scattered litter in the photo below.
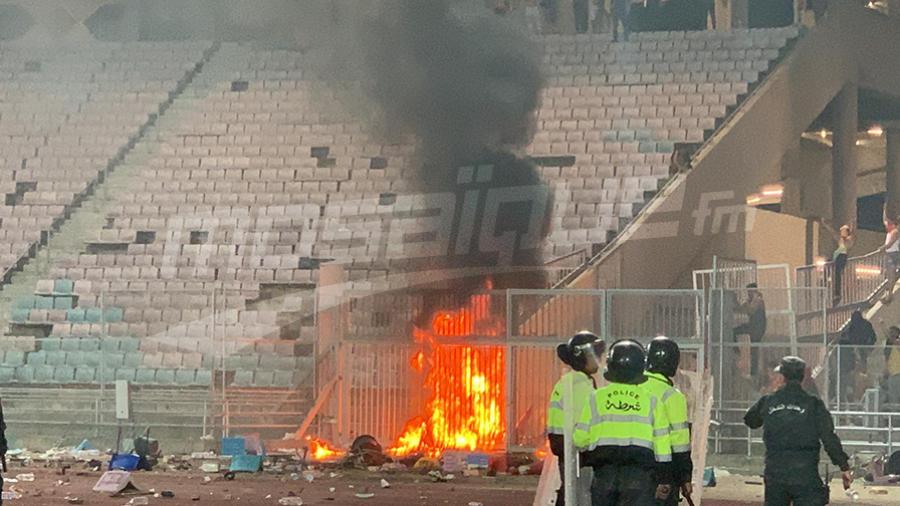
(25, 477)
(84, 445)
(473, 503)
(195, 497)
(10, 481)
(115, 482)
(207, 479)
(167, 493)
(334, 475)
(385, 484)
(878, 491)
(74, 500)
(210, 467)
(290, 501)
(748, 482)
(229, 475)
(365, 496)
(139, 501)
(331, 489)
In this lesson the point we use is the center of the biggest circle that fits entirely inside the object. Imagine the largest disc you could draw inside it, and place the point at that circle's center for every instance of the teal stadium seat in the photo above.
(25, 374)
(89, 344)
(64, 302)
(71, 344)
(75, 315)
(85, 375)
(249, 361)
(203, 378)
(133, 359)
(14, 358)
(110, 343)
(64, 374)
(44, 374)
(128, 344)
(7, 375)
(185, 377)
(243, 378)
(165, 376)
(24, 303)
(44, 302)
(113, 314)
(232, 363)
(113, 360)
(51, 344)
(92, 359)
(283, 379)
(145, 376)
(106, 374)
(263, 378)
(93, 315)
(37, 358)
(75, 358)
(56, 358)
(125, 374)
(63, 286)
(19, 315)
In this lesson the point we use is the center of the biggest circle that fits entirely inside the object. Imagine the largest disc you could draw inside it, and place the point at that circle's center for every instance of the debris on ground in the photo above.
(385, 484)
(290, 501)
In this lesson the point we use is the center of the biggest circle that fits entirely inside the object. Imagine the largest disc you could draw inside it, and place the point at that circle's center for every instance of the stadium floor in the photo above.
(50, 488)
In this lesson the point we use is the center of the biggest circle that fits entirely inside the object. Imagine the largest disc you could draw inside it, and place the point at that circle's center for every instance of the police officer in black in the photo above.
(794, 423)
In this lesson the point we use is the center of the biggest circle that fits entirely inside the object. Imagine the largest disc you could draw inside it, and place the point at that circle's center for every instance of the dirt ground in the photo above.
(50, 488)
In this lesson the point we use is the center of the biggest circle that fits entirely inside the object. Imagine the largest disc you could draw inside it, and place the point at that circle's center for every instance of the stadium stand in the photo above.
(233, 178)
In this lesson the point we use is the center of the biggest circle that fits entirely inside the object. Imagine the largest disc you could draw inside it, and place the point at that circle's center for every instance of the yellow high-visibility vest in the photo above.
(582, 389)
(620, 415)
(676, 410)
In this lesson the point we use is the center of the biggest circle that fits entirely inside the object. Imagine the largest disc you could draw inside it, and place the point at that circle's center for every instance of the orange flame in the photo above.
(320, 450)
(467, 386)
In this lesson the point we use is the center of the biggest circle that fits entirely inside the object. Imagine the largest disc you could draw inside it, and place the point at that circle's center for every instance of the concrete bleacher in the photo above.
(65, 115)
(258, 171)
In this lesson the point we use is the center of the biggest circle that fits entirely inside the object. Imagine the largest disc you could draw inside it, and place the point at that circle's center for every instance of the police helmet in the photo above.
(625, 363)
(663, 356)
(574, 352)
(792, 368)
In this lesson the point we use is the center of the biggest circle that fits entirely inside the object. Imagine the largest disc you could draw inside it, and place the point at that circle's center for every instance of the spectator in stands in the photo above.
(755, 309)
(852, 353)
(621, 14)
(892, 365)
(891, 249)
(845, 238)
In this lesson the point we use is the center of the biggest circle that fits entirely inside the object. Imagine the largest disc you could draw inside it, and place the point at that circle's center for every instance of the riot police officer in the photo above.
(663, 357)
(794, 423)
(623, 434)
(581, 353)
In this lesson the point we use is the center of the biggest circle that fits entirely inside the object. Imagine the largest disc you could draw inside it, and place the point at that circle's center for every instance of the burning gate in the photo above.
(475, 373)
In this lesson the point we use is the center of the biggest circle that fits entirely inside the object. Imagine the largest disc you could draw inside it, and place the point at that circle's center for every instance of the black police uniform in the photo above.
(794, 423)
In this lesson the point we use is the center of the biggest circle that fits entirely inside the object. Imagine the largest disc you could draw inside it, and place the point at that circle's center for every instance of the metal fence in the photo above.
(861, 279)
(370, 379)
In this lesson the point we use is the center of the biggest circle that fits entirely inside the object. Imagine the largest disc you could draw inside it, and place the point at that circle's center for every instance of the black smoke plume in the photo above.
(462, 79)
(466, 83)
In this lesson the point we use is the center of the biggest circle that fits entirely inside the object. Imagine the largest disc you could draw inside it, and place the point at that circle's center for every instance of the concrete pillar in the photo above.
(843, 155)
(892, 168)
